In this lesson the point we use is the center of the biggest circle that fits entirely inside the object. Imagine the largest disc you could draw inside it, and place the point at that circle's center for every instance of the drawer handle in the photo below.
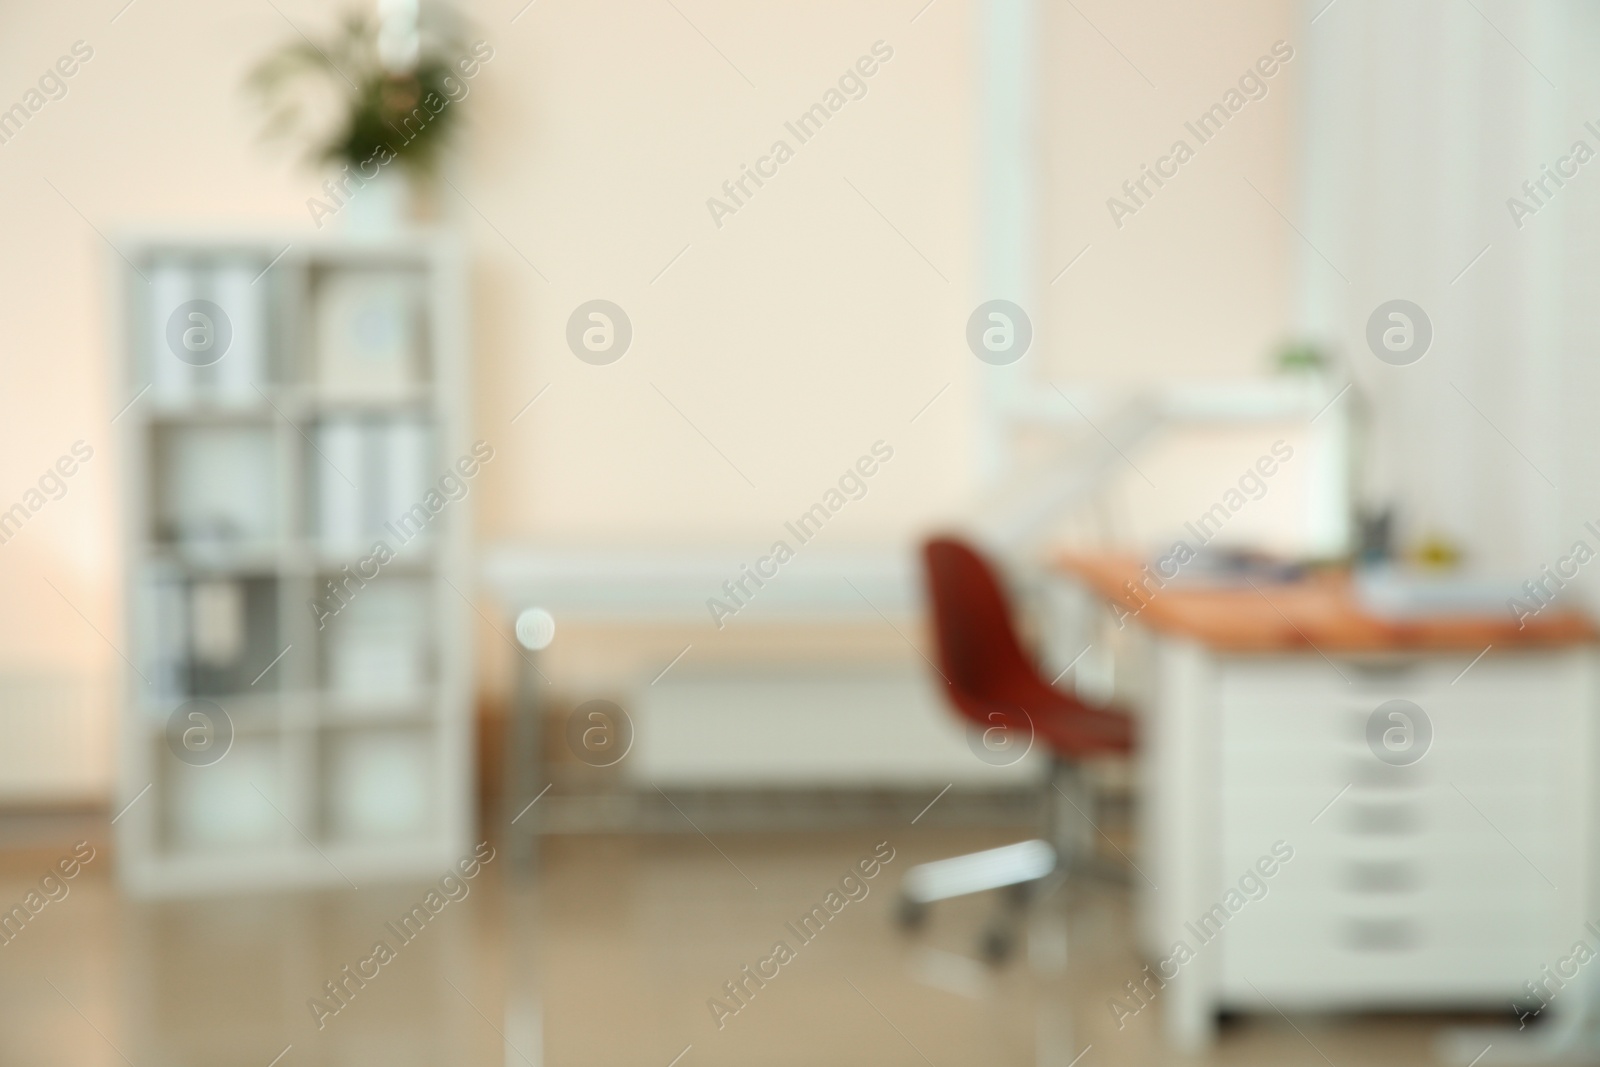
(1374, 670)
(1381, 877)
(1371, 774)
(1383, 819)
(1382, 935)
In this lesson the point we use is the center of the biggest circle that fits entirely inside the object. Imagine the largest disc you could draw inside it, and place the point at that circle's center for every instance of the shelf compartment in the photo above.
(369, 331)
(367, 477)
(216, 490)
(210, 634)
(226, 805)
(379, 784)
(377, 648)
(207, 323)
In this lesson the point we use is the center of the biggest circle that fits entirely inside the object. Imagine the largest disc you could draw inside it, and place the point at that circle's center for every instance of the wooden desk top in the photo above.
(1319, 612)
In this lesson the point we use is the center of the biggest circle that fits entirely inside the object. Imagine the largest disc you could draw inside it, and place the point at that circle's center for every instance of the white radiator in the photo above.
(55, 743)
(836, 728)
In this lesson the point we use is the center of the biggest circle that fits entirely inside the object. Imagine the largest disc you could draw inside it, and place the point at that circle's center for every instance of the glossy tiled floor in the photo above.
(610, 958)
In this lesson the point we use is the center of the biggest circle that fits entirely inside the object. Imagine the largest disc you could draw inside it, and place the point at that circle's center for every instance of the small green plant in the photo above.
(1300, 355)
(380, 113)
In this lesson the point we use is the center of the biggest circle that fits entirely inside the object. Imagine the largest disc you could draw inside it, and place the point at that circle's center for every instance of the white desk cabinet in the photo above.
(1446, 883)
(1444, 875)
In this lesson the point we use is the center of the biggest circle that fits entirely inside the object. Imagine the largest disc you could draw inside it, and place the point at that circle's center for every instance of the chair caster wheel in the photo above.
(911, 914)
(996, 946)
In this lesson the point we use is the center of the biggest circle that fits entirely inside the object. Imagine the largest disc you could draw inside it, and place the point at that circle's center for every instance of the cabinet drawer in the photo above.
(1413, 883)
(1431, 955)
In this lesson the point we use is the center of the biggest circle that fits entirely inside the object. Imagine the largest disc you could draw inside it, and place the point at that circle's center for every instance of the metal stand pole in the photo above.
(524, 768)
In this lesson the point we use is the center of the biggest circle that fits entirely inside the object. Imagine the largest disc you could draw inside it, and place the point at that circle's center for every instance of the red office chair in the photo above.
(992, 682)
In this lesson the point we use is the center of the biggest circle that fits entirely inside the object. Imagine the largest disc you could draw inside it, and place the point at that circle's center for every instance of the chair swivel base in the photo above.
(1020, 865)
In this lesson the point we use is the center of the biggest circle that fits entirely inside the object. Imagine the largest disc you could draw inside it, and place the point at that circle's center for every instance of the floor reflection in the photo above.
(613, 953)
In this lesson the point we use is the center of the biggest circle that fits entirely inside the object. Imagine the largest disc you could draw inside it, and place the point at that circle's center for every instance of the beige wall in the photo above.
(794, 336)
(1196, 284)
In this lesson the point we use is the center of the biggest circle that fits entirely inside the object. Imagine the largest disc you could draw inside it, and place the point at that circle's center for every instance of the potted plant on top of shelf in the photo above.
(379, 99)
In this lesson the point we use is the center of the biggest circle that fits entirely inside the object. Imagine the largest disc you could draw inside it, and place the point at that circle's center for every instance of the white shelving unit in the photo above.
(254, 482)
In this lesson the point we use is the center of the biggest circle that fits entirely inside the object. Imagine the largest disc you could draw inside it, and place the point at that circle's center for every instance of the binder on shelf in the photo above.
(164, 622)
(217, 610)
(339, 476)
(172, 381)
(244, 366)
(232, 377)
(407, 443)
(387, 460)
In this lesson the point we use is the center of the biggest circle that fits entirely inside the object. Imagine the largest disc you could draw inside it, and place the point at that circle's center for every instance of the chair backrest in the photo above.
(979, 652)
